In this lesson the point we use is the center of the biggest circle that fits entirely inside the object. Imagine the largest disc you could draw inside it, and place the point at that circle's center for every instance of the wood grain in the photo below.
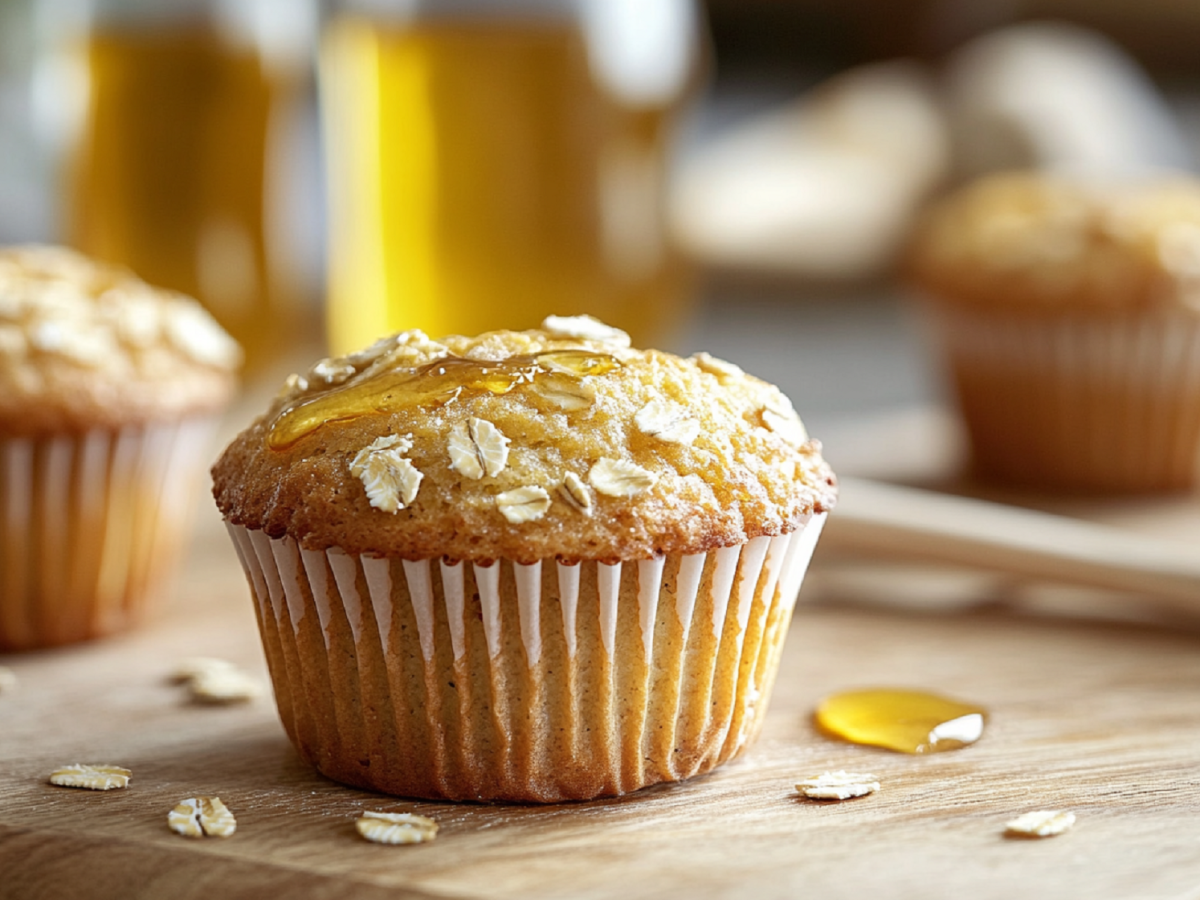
(1102, 719)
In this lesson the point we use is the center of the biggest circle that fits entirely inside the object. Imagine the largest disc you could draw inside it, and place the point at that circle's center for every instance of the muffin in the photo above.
(1068, 312)
(109, 390)
(528, 566)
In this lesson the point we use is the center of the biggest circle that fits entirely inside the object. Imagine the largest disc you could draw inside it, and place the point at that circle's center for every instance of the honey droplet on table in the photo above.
(906, 721)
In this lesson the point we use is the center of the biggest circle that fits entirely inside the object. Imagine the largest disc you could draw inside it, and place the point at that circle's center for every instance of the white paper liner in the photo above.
(90, 525)
(1102, 401)
(488, 682)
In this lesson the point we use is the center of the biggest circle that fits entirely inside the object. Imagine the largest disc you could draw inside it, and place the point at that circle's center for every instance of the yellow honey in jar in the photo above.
(481, 176)
(169, 174)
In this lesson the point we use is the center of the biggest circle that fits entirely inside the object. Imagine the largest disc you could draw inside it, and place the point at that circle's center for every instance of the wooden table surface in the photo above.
(1099, 718)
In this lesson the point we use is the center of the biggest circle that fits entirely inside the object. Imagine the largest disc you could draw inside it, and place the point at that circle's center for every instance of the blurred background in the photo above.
(737, 176)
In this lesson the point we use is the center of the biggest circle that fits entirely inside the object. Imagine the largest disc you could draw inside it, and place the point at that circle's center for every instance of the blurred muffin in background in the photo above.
(1068, 313)
(109, 389)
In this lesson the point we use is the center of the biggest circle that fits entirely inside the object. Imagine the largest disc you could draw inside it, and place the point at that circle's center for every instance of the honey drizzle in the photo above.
(431, 385)
(901, 720)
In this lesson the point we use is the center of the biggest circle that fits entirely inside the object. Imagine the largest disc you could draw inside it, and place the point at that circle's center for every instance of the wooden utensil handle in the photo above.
(884, 518)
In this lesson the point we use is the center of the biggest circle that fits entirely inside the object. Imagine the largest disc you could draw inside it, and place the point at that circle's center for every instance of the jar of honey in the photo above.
(178, 151)
(490, 162)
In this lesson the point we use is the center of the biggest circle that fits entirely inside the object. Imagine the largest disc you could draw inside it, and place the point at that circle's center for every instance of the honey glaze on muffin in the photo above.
(561, 442)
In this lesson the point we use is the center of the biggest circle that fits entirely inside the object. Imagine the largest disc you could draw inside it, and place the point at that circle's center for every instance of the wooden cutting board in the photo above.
(1102, 719)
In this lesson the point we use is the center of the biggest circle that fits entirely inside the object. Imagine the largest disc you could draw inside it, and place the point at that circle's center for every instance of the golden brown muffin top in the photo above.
(1025, 239)
(86, 345)
(561, 442)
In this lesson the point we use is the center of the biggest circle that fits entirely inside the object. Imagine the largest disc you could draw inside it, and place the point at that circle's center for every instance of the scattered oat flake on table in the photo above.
(396, 828)
(93, 777)
(8, 680)
(224, 686)
(1040, 824)
(838, 785)
(190, 668)
(202, 817)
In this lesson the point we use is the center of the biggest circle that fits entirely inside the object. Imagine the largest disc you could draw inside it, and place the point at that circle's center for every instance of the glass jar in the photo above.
(178, 155)
(490, 163)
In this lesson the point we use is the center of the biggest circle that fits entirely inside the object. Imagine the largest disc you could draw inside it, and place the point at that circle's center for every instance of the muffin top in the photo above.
(560, 442)
(1026, 239)
(85, 345)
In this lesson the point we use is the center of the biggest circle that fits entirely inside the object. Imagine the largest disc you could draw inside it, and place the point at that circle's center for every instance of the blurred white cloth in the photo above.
(827, 187)
(1055, 95)
(823, 188)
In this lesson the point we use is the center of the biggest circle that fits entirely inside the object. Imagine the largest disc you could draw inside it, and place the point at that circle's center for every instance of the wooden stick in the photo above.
(902, 521)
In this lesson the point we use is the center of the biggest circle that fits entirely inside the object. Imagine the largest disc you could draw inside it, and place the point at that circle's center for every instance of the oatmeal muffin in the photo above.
(108, 392)
(531, 566)
(1068, 313)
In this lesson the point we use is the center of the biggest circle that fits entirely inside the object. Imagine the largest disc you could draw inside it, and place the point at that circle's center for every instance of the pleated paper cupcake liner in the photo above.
(90, 526)
(1104, 402)
(540, 682)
